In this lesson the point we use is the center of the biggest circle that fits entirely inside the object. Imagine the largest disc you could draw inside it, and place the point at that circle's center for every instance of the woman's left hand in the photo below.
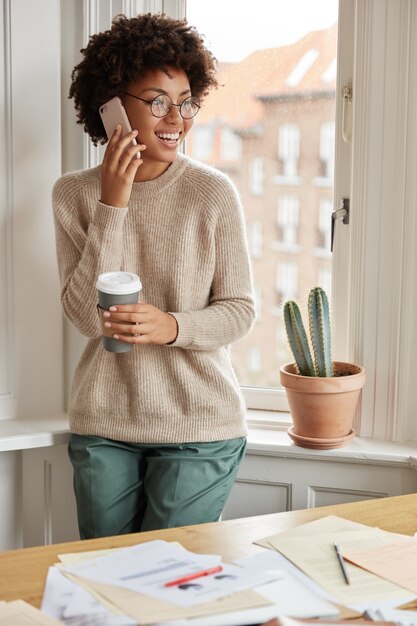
(140, 323)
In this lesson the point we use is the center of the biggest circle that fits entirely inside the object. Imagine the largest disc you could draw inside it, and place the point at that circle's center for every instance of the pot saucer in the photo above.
(320, 444)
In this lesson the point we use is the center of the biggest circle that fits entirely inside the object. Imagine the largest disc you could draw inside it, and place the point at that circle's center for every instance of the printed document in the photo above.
(148, 568)
(318, 560)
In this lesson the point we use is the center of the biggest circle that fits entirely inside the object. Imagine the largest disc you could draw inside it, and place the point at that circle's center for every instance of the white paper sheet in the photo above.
(147, 571)
(401, 618)
(293, 594)
(60, 592)
(20, 613)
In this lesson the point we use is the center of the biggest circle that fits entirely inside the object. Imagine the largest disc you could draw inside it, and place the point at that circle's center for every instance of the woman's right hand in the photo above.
(119, 167)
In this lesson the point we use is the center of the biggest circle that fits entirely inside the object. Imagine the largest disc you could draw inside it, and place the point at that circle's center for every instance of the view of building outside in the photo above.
(271, 127)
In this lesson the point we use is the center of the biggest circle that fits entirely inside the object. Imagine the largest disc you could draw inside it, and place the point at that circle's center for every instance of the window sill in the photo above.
(264, 439)
(272, 440)
(19, 434)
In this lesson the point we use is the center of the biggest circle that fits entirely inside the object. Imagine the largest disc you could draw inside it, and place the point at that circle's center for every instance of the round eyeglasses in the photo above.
(162, 104)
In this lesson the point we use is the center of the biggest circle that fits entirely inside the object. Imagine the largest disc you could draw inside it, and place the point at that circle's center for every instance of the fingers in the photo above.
(141, 324)
(129, 323)
(131, 317)
(121, 153)
(120, 163)
(133, 333)
(126, 328)
(117, 142)
(131, 159)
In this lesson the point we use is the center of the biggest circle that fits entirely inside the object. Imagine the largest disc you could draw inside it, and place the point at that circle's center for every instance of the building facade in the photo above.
(270, 127)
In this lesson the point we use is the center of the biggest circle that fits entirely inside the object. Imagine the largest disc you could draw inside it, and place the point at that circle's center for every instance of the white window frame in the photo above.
(383, 244)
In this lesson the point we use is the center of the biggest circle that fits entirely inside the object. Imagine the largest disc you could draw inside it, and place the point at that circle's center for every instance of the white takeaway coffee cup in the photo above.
(117, 288)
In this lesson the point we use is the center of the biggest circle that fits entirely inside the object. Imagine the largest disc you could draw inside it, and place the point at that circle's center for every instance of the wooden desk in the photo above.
(23, 572)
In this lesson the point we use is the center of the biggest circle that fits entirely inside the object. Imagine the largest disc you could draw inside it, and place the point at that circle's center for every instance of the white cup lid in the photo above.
(118, 283)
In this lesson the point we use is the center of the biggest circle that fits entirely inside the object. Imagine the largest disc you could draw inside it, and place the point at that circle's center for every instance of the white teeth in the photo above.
(172, 136)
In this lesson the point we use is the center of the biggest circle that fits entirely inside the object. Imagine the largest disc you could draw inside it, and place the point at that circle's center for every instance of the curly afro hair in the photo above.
(124, 53)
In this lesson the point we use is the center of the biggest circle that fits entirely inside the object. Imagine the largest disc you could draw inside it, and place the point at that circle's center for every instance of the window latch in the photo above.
(340, 214)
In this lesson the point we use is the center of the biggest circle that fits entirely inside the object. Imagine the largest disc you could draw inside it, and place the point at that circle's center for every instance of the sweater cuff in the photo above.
(109, 217)
(186, 330)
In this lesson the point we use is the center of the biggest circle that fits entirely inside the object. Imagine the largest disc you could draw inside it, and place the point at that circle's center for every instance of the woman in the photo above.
(157, 433)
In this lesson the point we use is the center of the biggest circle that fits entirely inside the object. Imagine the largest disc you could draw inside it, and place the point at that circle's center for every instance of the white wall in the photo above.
(31, 344)
(30, 317)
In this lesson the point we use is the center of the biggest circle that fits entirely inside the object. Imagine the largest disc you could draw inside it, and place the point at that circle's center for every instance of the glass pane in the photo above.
(271, 127)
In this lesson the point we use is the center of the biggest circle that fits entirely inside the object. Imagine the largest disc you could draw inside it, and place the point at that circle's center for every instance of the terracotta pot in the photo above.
(323, 409)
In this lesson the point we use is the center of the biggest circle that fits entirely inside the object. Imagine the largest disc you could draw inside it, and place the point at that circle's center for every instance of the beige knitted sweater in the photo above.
(183, 233)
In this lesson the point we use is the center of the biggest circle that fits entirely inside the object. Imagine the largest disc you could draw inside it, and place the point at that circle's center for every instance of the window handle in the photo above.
(340, 214)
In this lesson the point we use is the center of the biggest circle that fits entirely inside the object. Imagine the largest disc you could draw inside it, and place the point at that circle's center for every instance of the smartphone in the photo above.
(113, 113)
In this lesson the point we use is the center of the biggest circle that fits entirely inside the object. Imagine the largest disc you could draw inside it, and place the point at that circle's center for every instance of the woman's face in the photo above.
(161, 136)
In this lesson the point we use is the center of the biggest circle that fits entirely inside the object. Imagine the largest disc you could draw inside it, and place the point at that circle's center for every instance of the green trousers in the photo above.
(125, 488)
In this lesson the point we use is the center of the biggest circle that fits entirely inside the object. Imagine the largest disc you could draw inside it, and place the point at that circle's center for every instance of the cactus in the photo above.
(319, 321)
(319, 325)
(297, 338)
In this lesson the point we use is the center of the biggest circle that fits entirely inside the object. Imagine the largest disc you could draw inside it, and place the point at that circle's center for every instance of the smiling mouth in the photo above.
(168, 137)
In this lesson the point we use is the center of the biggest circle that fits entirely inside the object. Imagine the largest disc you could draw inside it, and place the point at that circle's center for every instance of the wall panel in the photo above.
(254, 495)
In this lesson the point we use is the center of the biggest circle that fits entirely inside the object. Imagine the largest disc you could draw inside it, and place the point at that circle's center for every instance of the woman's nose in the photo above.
(174, 113)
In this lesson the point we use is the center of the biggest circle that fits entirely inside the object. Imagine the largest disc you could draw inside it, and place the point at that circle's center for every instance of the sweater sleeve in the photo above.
(231, 311)
(85, 249)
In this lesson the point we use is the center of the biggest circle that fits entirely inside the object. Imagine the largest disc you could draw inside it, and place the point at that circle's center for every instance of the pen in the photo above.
(342, 564)
(184, 579)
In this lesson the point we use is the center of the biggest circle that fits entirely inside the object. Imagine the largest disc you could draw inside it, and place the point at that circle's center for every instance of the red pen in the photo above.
(184, 579)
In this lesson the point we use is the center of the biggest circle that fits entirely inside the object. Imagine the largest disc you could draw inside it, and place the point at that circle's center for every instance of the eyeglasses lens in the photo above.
(161, 105)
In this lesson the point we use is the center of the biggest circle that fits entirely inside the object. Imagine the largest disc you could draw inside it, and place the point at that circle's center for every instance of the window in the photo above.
(266, 115)
(374, 293)
(327, 149)
(302, 67)
(289, 149)
(202, 142)
(256, 176)
(287, 281)
(288, 215)
(255, 240)
(230, 145)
